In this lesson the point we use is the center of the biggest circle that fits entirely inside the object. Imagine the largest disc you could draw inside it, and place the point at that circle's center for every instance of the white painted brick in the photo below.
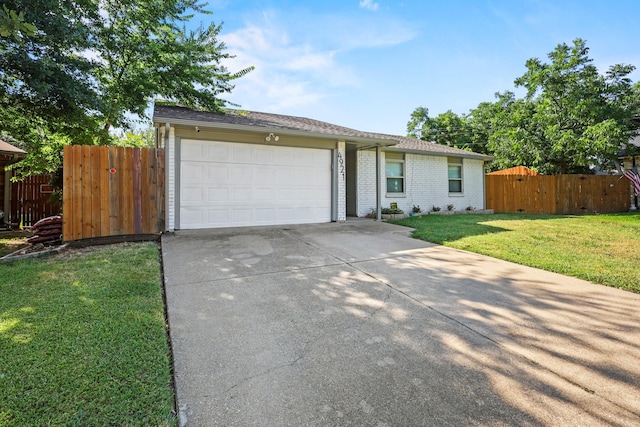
(171, 180)
(342, 183)
(426, 184)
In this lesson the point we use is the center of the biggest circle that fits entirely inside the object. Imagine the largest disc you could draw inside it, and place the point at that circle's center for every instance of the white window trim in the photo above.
(403, 177)
(459, 163)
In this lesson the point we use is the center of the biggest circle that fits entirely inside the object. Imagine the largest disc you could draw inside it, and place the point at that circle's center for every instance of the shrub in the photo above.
(389, 211)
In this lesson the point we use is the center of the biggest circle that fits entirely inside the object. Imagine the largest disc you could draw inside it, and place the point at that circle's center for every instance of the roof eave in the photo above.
(475, 156)
(275, 129)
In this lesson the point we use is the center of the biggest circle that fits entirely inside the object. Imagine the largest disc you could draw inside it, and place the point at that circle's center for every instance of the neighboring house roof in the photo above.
(7, 148)
(250, 120)
(516, 170)
(633, 141)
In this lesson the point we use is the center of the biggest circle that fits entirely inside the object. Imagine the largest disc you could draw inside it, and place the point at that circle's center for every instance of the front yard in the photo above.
(602, 249)
(83, 340)
(83, 337)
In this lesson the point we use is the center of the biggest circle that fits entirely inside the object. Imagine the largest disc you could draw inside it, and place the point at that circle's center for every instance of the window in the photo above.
(394, 171)
(455, 175)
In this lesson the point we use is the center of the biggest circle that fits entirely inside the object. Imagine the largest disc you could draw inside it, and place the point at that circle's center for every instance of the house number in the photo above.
(341, 164)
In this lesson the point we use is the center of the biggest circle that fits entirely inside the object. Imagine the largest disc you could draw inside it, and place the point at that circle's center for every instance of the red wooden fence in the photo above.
(112, 191)
(31, 200)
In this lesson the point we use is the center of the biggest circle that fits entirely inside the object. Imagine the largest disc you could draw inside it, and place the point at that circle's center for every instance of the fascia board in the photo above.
(474, 156)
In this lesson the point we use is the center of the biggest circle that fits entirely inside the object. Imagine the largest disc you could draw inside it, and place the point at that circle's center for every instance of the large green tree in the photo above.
(91, 65)
(12, 24)
(446, 129)
(570, 119)
(145, 51)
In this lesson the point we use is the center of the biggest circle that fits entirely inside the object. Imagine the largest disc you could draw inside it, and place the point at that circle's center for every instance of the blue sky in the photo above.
(367, 64)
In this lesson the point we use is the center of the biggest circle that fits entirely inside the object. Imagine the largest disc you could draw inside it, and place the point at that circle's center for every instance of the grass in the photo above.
(602, 249)
(11, 241)
(83, 340)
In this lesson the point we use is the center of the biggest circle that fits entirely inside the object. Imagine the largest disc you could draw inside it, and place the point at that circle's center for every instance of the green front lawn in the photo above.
(602, 249)
(83, 340)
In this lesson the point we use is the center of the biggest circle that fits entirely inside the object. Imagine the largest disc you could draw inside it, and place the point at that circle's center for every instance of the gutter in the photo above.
(471, 155)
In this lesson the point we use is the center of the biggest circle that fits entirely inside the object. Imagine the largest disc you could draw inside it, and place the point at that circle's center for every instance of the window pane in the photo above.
(455, 186)
(394, 185)
(394, 169)
(455, 172)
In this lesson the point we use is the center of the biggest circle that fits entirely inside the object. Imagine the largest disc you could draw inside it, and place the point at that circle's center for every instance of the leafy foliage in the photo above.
(446, 129)
(47, 92)
(570, 119)
(91, 65)
(140, 138)
(146, 53)
(12, 24)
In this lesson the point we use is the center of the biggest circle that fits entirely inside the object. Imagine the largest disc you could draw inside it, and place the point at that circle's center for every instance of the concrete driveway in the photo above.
(358, 324)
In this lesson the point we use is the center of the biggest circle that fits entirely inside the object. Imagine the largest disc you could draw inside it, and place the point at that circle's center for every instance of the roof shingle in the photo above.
(270, 121)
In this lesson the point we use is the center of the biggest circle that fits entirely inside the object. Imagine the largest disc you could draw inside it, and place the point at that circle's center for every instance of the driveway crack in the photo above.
(384, 302)
(263, 373)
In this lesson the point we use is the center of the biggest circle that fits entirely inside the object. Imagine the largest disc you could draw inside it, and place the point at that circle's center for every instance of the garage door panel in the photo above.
(192, 172)
(191, 194)
(193, 152)
(216, 215)
(304, 159)
(230, 184)
(217, 173)
(191, 216)
(242, 195)
(265, 156)
(243, 153)
(263, 194)
(218, 195)
(240, 174)
(264, 176)
(216, 153)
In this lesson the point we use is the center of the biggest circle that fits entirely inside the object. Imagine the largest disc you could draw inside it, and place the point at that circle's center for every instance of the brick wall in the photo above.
(366, 181)
(342, 183)
(171, 180)
(426, 184)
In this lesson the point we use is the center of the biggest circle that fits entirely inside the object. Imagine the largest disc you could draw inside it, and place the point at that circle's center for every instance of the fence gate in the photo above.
(112, 191)
(31, 200)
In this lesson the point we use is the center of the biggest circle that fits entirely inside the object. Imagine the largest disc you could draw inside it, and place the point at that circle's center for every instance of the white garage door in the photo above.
(226, 184)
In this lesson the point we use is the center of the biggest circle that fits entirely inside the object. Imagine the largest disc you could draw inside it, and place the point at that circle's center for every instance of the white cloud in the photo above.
(311, 61)
(369, 5)
(301, 61)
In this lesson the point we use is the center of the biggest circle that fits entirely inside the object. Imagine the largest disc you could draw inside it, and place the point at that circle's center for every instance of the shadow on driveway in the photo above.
(358, 324)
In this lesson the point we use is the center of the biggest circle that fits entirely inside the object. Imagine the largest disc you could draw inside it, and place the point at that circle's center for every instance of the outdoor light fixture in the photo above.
(272, 136)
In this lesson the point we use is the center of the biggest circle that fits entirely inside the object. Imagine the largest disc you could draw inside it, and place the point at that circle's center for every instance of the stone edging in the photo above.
(14, 256)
